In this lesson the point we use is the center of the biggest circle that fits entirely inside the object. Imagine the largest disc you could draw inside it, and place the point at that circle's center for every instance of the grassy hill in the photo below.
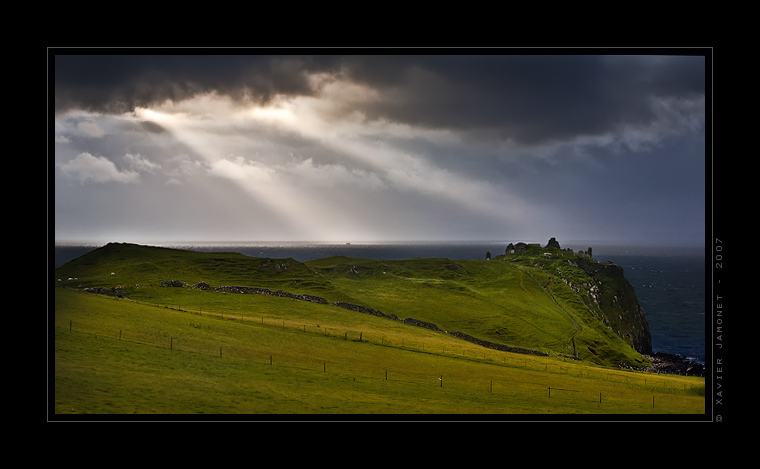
(149, 348)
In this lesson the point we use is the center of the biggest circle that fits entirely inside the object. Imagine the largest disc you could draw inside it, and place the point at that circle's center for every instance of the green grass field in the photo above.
(167, 350)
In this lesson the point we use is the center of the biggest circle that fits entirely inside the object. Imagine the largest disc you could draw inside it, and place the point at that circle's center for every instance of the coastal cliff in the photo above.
(617, 302)
(602, 287)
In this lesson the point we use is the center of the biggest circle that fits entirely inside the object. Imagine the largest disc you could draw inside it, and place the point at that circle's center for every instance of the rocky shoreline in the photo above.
(674, 364)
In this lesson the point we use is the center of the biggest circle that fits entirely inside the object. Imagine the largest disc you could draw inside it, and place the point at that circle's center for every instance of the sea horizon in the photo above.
(638, 247)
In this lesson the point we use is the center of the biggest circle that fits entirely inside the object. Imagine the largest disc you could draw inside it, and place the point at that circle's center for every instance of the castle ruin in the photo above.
(553, 243)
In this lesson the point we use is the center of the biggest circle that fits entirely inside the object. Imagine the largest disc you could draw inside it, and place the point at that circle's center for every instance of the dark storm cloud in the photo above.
(119, 83)
(526, 98)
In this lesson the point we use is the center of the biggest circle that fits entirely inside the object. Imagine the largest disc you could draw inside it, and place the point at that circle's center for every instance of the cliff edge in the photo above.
(602, 286)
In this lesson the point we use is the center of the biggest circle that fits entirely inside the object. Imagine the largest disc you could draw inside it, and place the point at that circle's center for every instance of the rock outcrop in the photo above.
(118, 292)
(492, 345)
(674, 364)
(426, 325)
(615, 299)
(266, 291)
(173, 283)
(593, 268)
(365, 310)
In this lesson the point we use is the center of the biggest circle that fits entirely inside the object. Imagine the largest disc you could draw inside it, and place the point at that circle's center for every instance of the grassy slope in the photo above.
(96, 371)
(511, 303)
(117, 356)
(514, 303)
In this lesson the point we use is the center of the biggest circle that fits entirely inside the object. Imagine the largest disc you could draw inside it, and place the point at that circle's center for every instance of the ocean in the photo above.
(669, 281)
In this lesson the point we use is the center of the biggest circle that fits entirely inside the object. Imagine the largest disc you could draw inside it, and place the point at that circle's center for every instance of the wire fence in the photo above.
(621, 387)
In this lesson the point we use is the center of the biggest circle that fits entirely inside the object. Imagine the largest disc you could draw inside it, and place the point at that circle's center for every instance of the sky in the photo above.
(508, 145)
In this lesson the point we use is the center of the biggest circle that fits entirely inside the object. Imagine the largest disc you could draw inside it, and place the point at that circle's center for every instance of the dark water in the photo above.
(669, 281)
(671, 289)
